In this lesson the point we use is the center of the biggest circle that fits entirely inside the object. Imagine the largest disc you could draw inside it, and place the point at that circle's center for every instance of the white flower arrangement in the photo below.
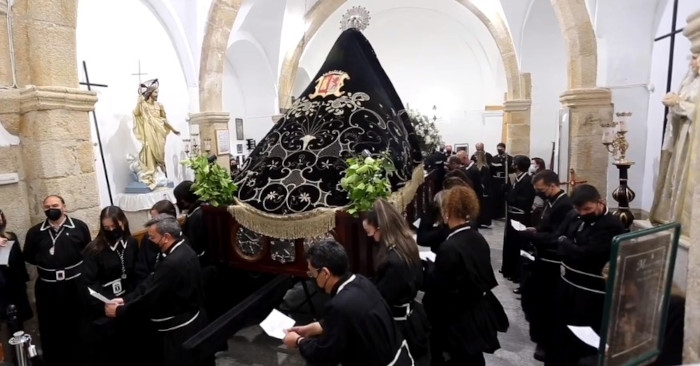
(426, 131)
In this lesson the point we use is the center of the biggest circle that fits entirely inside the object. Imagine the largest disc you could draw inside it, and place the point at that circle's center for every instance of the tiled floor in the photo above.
(252, 347)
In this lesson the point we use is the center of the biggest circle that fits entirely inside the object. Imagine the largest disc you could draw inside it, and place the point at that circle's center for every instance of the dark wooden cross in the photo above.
(97, 131)
(139, 73)
(572, 183)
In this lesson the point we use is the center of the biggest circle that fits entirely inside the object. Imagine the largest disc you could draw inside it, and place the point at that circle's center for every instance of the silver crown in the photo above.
(356, 17)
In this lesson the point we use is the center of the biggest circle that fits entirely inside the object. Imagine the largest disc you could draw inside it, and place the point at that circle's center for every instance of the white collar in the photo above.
(173, 248)
(561, 194)
(342, 285)
(67, 222)
(459, 230)
(470, 165)
(116, 245)
(193, 211)
(520, 177)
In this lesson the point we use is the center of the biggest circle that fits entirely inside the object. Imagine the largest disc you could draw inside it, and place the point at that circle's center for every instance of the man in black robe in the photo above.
(584, 250)
(499, 166)
(519, 200)
(541, 285)
(358, 328)
(479, 146)
(172, 296)
(193, 228)
(55, 247)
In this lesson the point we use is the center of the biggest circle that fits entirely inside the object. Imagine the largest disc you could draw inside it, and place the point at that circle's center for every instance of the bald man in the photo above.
(480, 147)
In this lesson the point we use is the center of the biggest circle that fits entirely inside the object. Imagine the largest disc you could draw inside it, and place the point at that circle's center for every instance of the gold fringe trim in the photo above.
(312, 223)
(401, 198)
(293, 226)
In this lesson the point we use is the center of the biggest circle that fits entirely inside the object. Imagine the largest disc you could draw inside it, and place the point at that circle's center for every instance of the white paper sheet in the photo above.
(416, 223)
(99, 296)
(275, 324)
(5, 253)
(587, 335)
(527, 255)
(427, 256)
(517, 225)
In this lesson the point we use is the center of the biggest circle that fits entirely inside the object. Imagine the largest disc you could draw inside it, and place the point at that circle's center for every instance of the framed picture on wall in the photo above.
(462, 147)
(239, 148)
(223, 144)
(239, 128)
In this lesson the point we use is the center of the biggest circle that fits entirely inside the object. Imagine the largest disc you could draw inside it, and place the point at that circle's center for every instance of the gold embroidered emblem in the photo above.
(330, 83)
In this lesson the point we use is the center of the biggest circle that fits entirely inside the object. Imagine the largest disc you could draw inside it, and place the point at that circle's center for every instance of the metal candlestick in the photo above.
(617, 145)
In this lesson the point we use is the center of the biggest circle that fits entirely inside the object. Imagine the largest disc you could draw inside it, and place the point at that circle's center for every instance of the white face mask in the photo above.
(532, 170)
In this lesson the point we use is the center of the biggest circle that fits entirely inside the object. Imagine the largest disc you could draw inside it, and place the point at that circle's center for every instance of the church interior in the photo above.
(604, 92)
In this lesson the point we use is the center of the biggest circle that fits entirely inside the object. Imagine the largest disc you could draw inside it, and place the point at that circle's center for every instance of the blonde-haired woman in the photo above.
(465, 315)
(399, 274)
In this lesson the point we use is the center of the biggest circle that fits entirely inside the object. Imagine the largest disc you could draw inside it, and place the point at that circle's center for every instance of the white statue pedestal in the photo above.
(136, 206)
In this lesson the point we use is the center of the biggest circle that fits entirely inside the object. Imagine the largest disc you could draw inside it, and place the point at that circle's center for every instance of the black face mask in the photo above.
(181, 205)
(114, 235)
(53, 214)
(542, 195)
(501, 152)
(589, 218)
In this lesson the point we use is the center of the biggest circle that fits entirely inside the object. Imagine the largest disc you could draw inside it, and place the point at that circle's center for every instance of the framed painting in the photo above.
(239, 129)
(239, 148)
(462, 147)
(223, 144)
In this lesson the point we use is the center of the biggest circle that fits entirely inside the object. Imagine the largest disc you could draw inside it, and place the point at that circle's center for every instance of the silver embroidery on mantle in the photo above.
(298, 165)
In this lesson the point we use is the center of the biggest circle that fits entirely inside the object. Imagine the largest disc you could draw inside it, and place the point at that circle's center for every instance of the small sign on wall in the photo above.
(239, 128)
(223, 144)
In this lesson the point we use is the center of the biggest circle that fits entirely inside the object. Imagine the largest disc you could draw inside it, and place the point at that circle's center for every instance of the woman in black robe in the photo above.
(13, 283)
(399, 275)
(465, 315)
(109, 264)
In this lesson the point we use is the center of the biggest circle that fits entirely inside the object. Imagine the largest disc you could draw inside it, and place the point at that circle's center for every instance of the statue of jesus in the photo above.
(151, 129)
(672, 191)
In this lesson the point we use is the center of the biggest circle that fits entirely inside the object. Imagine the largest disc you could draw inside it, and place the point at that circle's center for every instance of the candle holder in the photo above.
(193, 147)
(616, 144)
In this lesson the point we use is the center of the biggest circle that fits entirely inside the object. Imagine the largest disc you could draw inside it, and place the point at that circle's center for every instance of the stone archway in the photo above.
(222, 14)
(321, 12)
(580, 40)
(588, 105)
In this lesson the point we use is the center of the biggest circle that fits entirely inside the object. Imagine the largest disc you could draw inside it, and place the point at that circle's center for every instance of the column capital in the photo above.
(206, 118)
(38, 98)
(586, 97)
(692, 31)
(517, 105)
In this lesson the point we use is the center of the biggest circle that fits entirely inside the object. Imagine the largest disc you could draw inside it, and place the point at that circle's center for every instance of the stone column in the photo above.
(56, 150)
(588, 108)
(691, 344)
(516, 119)
(209, 123)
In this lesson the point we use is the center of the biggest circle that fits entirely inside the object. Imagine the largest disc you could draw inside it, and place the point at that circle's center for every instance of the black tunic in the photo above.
(538, 291)
(398, 282)
(499, 166)
(464, 313)
(580, 296)
(358, 328)
(173, 299)
(146, 259)
(13, 289)
(194, 229)
(486, 199)
(519, 200)
(59, 289)
(431, 233)
(110, 341)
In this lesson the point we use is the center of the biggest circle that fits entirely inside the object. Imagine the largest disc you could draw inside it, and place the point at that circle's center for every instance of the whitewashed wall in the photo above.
(112, 37)
(436, 54)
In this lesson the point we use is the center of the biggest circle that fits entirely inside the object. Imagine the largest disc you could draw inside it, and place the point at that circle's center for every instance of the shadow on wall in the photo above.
(119, 145)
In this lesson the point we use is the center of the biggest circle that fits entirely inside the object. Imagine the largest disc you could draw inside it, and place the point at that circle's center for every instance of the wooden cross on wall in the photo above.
(572, 183)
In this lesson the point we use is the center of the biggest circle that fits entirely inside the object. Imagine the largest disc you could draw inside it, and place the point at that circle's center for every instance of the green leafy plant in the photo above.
(212, 183)
(367, 179)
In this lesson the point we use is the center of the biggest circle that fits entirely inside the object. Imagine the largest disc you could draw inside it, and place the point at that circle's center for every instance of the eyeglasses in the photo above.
(314, 272)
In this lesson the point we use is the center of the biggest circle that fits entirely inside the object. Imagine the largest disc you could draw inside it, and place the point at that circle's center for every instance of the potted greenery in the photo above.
(367, 179)
(212, 183)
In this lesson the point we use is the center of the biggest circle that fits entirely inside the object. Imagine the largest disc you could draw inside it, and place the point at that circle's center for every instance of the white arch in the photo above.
(167, 16)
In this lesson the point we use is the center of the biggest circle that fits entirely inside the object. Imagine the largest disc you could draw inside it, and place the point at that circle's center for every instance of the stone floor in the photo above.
(252, 347)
